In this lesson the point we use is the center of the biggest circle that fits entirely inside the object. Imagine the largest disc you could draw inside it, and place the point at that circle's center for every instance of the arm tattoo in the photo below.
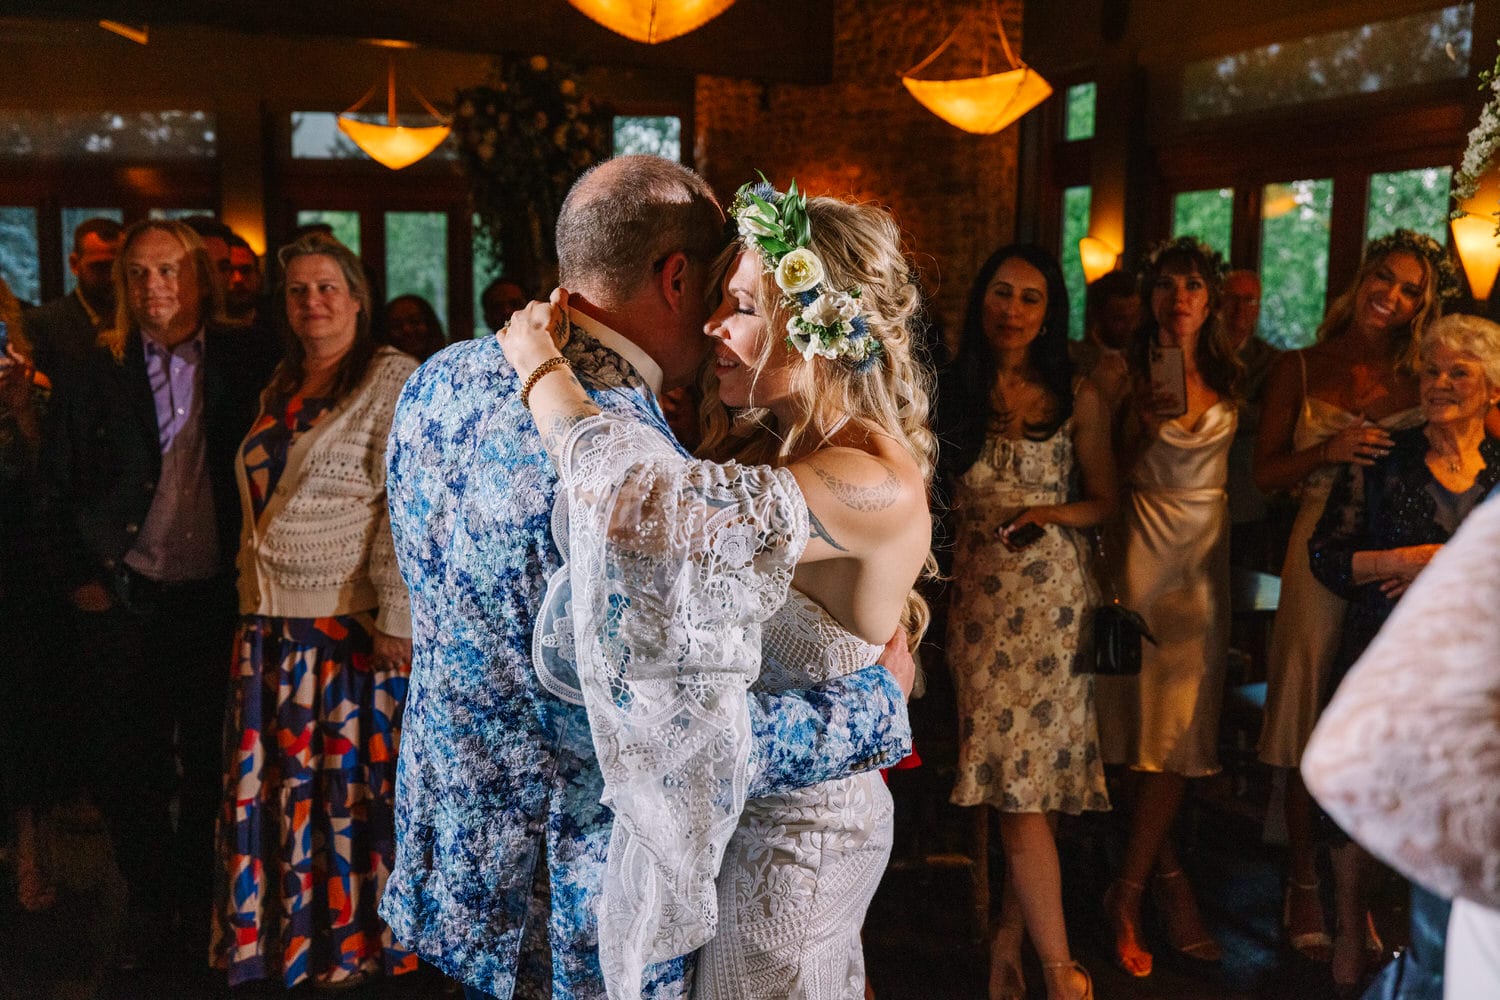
(818, 531)
(861, 498)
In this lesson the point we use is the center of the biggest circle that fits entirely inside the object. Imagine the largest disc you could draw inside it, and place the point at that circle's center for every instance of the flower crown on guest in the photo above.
(1191, 246)
(1422, 247)
(825, 322)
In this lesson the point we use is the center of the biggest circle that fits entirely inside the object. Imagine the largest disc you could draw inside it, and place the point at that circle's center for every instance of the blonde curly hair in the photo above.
(860, 246)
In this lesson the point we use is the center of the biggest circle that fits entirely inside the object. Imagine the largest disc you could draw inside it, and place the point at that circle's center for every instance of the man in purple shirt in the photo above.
(142, 519)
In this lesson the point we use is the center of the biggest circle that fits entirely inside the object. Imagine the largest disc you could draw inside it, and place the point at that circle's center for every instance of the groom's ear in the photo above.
(672, 278)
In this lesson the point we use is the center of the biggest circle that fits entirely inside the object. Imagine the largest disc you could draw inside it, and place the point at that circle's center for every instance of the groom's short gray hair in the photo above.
(625, 216)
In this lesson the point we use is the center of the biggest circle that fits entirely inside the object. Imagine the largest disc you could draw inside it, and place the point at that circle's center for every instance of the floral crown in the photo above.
(1187, 245)
(825, 322)
(1422, 247)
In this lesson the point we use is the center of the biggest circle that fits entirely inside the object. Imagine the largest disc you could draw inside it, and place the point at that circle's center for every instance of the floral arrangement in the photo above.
(525, 137)
(1484, 146)
(825, 322)
(1187, 245)
(1422, 247)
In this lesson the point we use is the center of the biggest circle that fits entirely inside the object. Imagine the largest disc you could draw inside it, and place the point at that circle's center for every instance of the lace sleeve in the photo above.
(673, 564)
(1407, 756)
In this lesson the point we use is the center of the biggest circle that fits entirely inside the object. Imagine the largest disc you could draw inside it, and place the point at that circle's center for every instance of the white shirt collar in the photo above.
(638, 359)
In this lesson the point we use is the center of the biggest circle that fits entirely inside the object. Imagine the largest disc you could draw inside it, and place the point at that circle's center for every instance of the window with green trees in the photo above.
(1078, 122)
(1295, 217)
(345, 224)
(1075, 226)
(1409, 199)
(1207, 215)
(18, 252)
(648, 135)
(416, 258)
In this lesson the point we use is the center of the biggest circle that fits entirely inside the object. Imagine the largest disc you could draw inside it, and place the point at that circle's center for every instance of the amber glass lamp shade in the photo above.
(652, 21)
(1098, 258)
(393, 145)
(982, 104)
(1474, 237)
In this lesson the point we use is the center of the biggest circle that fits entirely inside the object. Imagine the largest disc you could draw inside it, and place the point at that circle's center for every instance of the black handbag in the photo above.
(1115, 632)
(1118, 632)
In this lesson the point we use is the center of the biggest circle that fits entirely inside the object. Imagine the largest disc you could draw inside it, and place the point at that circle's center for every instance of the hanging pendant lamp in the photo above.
(982, 104)
(1475, 240)
(392, 144)
(652, 21)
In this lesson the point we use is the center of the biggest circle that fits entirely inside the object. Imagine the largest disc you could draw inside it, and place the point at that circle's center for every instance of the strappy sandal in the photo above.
(1179, 910)
(1126, 949)
(1049, 968)
(1309, 941)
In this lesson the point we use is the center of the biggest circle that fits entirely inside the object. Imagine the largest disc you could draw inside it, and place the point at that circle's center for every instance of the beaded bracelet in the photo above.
(551, 364)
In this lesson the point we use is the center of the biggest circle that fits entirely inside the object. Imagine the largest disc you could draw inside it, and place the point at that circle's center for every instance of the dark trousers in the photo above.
(159, 664)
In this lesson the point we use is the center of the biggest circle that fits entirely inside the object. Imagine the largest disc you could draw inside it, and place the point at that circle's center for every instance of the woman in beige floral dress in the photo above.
(1030, 469)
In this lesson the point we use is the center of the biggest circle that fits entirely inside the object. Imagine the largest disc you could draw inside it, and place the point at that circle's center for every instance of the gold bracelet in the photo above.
(550, 365)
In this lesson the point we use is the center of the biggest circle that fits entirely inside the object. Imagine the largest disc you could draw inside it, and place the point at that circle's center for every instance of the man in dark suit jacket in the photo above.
(142, 521)
(66, 328)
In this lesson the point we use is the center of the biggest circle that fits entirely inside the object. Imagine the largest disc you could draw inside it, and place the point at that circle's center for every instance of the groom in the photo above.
(500, 834)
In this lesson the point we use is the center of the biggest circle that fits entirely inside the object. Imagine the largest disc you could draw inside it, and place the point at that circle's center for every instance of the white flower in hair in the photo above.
(830, 309)
(799, 271)
(753, 224)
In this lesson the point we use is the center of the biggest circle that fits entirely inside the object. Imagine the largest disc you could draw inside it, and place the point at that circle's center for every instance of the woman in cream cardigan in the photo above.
(323, 651)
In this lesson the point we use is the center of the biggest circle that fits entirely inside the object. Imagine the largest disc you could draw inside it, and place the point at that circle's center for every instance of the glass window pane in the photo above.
(487, 267)
(1294, 261)
(345, 224)
(1409, 199)
(108, 135)
(19, 258)
(71, 217)
(316, 136)
(180, 213)
(1401, 52)
(659, 135)
(1075, 226)
(416, 258)
(1207, 215)
(1079, 121)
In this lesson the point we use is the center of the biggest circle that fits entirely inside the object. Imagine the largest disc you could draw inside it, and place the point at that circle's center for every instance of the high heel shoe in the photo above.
(1307, 937)
(1049, 968)
(1126, 949)
(1006, 980)
(1185, 931)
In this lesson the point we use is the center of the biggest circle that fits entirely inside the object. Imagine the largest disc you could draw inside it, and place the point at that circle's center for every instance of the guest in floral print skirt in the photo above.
(323, 650)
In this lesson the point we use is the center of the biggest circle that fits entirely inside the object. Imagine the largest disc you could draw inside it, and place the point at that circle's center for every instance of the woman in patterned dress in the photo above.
(1035, 450)
(323, 651)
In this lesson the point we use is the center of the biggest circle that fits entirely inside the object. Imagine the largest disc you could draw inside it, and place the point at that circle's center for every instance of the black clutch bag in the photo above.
(1118, 632)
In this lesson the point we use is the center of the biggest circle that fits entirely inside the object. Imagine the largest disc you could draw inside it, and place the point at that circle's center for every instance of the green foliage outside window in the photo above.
(1207, 215)
(1409, 199)
(345, 225)
(18, 252)
(1079, 122)
(1075, 226)
(648, 135)
(1294, 261)
(416, 258)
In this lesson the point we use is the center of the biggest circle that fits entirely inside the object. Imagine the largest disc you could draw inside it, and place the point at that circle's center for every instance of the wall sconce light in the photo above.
(652, 21)
(1475, 240)
(982, 104)
(1098, 258)
(392, 144)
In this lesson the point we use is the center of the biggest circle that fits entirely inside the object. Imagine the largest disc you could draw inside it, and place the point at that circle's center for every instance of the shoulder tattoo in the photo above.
(866, 499)
(816, 530)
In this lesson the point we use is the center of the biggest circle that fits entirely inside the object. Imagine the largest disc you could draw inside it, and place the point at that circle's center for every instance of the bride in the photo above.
(818, 480)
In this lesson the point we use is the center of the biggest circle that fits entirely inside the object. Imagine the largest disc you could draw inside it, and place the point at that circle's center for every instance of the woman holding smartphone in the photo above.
(1163, 724)
(1028, 468)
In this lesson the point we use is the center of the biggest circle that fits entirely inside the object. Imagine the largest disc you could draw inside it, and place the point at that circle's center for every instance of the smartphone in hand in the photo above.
(1168, 380)
(1017, 539)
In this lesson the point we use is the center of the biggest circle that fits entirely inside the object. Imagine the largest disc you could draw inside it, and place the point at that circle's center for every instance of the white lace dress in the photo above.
(801, 869)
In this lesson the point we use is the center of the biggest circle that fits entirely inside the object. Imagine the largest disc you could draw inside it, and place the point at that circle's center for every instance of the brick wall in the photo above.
(864, 136)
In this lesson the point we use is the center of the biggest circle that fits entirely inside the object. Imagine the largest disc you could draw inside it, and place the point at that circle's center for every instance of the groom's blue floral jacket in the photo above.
(500, 835)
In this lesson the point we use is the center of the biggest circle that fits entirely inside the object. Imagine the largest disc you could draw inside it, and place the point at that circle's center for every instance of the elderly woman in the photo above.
(323, 650)
(1385, 521)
